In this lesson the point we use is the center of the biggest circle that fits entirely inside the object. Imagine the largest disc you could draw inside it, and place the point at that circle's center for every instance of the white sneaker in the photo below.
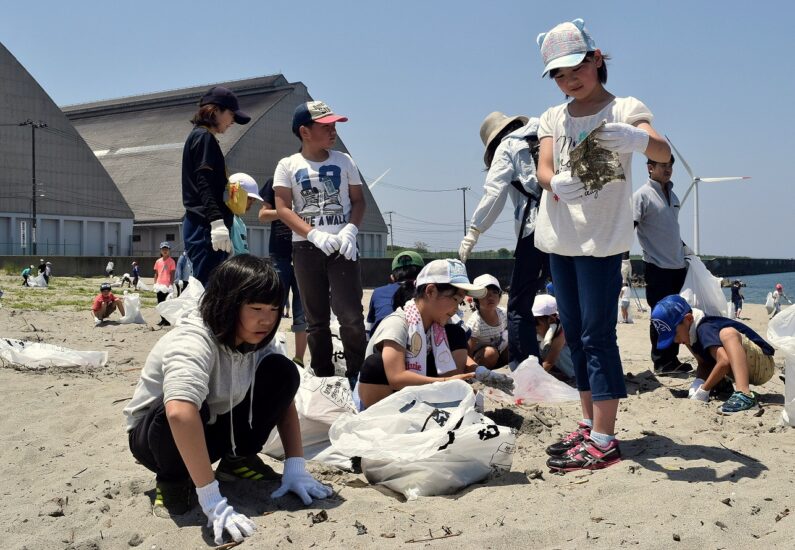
(700, 395)
(694, 386)
(97, 322)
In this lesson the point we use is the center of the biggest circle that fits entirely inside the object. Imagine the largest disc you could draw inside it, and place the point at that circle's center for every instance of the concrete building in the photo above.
(76, 207)
(139, 141)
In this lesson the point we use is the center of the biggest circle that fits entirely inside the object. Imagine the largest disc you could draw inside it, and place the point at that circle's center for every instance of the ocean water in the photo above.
(756, 287)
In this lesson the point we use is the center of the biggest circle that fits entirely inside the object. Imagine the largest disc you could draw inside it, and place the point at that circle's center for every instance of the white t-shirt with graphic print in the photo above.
(485, 334)
(320, 189)
(602, 225)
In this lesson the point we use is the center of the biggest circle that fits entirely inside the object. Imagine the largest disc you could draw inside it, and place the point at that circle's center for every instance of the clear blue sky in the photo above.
(417, 78)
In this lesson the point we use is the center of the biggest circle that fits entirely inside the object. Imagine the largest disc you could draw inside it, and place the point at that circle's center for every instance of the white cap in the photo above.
(544, 305)
(247, 183)
(451, 272)
(487, 280)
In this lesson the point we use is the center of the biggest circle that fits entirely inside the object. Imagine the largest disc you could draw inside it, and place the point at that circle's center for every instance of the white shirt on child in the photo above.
(320, 189)
(485, 334)
(602, 225)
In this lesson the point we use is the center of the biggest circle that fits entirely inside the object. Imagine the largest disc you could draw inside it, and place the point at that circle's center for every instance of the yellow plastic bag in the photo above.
(235, 198)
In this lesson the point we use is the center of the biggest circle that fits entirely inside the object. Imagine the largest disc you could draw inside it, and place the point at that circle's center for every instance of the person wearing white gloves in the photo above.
(208, 219)
(511, 156)
(318, 195)
(214, 388)
(585, 231)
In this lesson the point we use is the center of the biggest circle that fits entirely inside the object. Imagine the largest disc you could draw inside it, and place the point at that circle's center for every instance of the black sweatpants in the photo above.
(530, 268)
(660, 283)
(276, 383)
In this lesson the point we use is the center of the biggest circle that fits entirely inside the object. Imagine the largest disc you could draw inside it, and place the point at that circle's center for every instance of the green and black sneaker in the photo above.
(174, 498)
(232, 468)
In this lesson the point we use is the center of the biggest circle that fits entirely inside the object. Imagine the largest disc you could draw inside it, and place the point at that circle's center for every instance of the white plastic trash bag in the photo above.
(176, 308)
(781, 334)
(338, 352)
(167, 289)
(39, 281)
(142, 286)
(532, 384)
(770, 303)
(319, 402)
(425, 440)
(37, 355)
(702, 290)
(132, 309)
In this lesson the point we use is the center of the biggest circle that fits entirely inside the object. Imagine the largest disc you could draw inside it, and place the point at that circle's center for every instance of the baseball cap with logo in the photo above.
(247, 183)
(666, 316)
(544, 305)
(565, 45)
(314, 111)
(406, 258)
(451, 272)
(226, 98)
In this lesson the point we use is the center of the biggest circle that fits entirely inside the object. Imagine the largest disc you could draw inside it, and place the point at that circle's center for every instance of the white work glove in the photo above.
(468, 243)
(222, 517)
(568, 188)
(496, 380)
(296, 479)
(347, 237)
(219, 236)
(326, 242)
(620, 137)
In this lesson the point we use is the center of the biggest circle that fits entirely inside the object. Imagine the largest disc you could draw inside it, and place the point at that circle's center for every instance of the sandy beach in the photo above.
(690, 478)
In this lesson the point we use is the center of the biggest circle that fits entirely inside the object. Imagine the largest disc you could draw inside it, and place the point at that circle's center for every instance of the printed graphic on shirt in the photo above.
(321, 201)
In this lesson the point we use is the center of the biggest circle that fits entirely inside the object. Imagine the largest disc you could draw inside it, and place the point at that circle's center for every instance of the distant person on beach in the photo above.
(723, 347)
(623, 298)
(164, 269)
(136, 274)
(656, 215)
(26, 274)
(105, 303)
(511, 157)
(214, 389)
(737, 298)
(778, 295)
(109, 269)
(585, 230)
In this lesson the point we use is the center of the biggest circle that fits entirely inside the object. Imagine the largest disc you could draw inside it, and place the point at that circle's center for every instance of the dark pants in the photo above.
(152, 442)
(196, 231)
(161, 297)
(529, 270)
(659, 284)
(184, 286)
(318, 276)
(586, 289)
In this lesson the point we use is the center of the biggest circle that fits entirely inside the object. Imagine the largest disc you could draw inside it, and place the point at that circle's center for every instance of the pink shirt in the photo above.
(165, 269)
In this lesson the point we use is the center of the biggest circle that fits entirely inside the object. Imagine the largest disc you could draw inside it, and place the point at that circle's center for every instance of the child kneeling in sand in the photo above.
(213, 388)
(721, 346)
(105, 303)
(488, 343)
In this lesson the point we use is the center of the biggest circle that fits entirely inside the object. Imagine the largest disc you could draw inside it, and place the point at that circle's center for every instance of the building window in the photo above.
(169, 236)
(136, 238)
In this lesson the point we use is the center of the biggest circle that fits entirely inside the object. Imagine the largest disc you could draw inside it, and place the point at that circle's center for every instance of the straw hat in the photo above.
(492, 125)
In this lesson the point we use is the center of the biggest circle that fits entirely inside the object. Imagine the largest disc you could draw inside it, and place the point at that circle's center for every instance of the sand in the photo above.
(689, 478)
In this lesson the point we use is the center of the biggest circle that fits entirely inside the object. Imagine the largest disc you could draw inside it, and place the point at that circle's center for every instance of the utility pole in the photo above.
(464, 195)
(33, 126)
(391, 234)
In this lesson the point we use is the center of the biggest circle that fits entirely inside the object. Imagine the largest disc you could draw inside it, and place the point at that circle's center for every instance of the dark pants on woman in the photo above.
(330, 283)
(659, 284)
(198, 245)
(152, 442)
(529, 268)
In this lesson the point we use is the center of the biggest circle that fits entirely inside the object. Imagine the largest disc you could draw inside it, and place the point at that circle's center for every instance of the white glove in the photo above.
(568, 188)
(468, 243)
(347, 237)
(326, 242)
(300, 482)
(495, 380)
(620, 137)
(222, 517)
(219, 236)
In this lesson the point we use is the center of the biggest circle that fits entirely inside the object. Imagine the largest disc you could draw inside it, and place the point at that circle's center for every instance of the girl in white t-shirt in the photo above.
(585, 231)
(623, 299)
(488, 325)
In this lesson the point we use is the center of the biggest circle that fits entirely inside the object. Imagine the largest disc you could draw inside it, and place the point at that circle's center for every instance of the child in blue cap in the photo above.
(721, 346)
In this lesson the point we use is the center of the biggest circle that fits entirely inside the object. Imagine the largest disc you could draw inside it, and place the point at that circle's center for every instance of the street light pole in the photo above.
(464, 195)
(33, 126)
(391, 234)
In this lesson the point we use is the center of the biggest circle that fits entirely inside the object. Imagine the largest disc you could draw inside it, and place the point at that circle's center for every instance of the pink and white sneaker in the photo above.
(570, 440)
(586, 456)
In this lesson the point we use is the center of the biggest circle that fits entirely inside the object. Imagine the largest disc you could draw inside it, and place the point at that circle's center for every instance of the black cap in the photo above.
(226, 98)
(104, 286)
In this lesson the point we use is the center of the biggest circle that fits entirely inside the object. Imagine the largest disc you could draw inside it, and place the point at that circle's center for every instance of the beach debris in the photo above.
(593, 164)
(387, 535)
(446, 534)
(320, 517)
(721, 525)
(755, 510)
(135, 540)
(727, 501)
(360, 528)
(782, 515)
(676, 537)
(534, 473)
(53, 508)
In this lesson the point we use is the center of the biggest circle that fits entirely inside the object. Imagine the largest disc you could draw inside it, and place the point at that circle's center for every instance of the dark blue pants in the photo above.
(659, 284)
(529, 271)
(586, 289)
(196, 231)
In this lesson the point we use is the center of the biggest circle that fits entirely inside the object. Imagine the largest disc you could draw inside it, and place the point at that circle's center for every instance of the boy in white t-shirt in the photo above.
(318, 194)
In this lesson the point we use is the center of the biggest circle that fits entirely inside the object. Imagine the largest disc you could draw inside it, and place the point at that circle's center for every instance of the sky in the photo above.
(417, 78)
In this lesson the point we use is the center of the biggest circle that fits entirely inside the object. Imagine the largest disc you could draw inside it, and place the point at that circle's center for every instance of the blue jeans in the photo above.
(284, 267)
(196, 231)
(586, 289)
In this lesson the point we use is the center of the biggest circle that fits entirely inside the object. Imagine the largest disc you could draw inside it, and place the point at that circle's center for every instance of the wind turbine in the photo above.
(376, 180)
(695, 180)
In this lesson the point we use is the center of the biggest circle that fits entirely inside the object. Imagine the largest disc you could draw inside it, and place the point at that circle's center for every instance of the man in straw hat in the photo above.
(511, 156)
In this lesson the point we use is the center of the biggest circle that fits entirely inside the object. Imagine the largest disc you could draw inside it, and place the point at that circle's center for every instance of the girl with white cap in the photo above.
(488, 343)
(586, 229)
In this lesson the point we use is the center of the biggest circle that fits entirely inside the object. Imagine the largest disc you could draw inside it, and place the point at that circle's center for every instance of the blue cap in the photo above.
(165, 244)
(666, 316)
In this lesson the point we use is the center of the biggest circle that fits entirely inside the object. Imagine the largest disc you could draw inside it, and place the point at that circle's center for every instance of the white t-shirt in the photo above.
(485, 334)
(602, 225)
(320, 189)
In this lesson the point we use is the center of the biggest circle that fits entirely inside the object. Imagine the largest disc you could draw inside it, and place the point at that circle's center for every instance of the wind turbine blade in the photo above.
(681, 158)
(376, 180)
(689, 189)
(729, 178)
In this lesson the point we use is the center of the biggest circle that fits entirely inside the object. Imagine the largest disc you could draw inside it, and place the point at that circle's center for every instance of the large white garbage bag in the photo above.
(37, 355)
(532, 384)
(132, 309)
(179, 307)
(425, 440)
(702, 289)
(781, 334)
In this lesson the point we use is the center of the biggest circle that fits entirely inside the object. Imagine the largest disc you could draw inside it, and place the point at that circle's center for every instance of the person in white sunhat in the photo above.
(239, 233)
(410, 347)
(488, 325)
